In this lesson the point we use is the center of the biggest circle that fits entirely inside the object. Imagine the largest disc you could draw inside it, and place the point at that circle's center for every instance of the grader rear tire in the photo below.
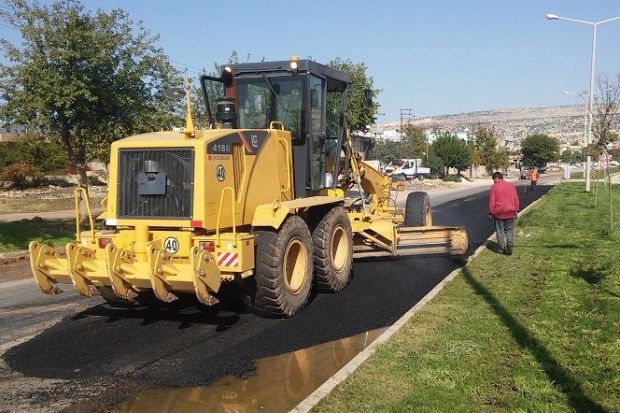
(283, 269)
(418, 210)
(333, 251)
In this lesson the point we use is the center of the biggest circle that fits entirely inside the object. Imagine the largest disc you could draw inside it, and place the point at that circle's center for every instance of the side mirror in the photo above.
(367, 98)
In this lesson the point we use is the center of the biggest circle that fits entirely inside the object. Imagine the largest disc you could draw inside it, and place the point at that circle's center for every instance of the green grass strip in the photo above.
(537, 331)
(15, 236)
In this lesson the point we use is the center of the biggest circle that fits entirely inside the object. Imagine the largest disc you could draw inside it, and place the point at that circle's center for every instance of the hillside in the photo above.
(566, 123)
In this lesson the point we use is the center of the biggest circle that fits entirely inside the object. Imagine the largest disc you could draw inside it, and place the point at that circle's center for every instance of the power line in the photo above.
(185, 65)
(8, 26)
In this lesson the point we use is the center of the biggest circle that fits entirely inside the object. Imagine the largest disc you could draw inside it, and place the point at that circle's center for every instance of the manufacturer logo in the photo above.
(220, 173)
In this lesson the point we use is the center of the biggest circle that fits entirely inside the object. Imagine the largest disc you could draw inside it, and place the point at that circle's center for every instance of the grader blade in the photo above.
(431, 240)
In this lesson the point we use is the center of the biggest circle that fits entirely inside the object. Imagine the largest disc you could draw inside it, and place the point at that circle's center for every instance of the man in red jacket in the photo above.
(503, 208)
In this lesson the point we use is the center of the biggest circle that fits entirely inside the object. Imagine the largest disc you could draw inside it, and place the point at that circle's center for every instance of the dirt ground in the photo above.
(15, 268)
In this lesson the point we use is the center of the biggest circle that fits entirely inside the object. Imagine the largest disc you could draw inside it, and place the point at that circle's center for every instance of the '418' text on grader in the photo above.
(270, 197)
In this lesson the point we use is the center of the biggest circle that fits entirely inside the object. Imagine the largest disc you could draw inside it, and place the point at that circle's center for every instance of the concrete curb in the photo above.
(320, 393)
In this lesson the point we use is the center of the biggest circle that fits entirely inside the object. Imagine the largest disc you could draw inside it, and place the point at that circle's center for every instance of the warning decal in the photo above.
(227, 259)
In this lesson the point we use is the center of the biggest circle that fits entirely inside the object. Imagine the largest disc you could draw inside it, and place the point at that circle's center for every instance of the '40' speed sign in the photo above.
(171, 245)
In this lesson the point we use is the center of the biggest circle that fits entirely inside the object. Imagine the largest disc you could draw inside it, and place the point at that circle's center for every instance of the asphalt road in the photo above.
(84, 346)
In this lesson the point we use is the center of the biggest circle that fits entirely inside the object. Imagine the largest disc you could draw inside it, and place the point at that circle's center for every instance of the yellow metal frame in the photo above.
(288, 165)
(84, 195)
(219, 214)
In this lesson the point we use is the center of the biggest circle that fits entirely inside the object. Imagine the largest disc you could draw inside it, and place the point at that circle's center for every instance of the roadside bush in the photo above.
(452, 178)
(21, 174)
(27, 161)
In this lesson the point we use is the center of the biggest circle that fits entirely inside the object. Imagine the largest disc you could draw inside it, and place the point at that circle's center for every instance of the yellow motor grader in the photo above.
(270, 196)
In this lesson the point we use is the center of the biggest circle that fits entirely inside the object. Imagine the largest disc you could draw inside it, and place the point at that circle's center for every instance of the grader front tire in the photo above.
(283, 269)
(333, 251)
(418, 210)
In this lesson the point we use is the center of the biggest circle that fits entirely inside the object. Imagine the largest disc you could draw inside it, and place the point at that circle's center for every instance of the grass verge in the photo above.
(537, 331)
(15, 236)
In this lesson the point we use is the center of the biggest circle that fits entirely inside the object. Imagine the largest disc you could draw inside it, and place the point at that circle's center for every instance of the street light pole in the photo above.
(591, 95)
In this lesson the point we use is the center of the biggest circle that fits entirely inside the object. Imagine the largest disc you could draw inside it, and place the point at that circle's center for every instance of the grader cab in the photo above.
(269, 196)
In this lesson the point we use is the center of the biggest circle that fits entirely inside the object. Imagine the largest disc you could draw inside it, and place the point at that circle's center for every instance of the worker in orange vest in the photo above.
(533, 179)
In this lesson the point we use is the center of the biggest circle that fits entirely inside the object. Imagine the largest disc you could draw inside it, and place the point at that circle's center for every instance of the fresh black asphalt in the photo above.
(189, 346)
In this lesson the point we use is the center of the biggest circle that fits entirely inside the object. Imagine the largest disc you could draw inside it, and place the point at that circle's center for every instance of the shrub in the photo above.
(21, 174)
(452, 178)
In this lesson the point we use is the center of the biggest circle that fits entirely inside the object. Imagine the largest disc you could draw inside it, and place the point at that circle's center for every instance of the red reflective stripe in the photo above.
(227, 259)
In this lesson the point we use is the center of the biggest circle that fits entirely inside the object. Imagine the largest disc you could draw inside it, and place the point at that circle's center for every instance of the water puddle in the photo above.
(279, 384)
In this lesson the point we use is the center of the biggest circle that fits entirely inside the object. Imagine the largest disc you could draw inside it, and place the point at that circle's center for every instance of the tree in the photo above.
(413, 143)
(384, 150)
(453, 151)
(607, 105)
(488, 153)
(83, 79)
(567, 156)
(540, 149)
(435, 163)
(607, 109)
(358, 116)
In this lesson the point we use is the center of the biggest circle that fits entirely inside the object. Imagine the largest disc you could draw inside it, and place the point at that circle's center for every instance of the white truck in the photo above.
(408, 169)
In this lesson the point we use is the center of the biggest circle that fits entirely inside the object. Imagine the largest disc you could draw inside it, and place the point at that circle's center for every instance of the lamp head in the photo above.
(552, 16)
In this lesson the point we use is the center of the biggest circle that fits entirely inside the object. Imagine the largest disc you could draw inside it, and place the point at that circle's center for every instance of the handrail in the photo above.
(276, 123)
(288, 165)
(86, 199)
(219, 214)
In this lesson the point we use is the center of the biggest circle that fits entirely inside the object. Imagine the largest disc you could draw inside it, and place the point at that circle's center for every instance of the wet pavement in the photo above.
(278, 385)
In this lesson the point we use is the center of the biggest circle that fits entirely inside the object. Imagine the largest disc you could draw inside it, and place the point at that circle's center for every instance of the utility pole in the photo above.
(407, 115)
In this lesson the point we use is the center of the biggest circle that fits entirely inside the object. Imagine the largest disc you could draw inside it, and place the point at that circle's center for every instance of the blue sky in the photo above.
(433, 57)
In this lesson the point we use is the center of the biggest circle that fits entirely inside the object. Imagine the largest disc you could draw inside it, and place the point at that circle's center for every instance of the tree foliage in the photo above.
(540, 149)
(358, 116)
(84, 79)
(414, 142)
(569, 156)
(453, 151)
(413, 145)
(384, 150)
(488, 152)
(435, 163)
